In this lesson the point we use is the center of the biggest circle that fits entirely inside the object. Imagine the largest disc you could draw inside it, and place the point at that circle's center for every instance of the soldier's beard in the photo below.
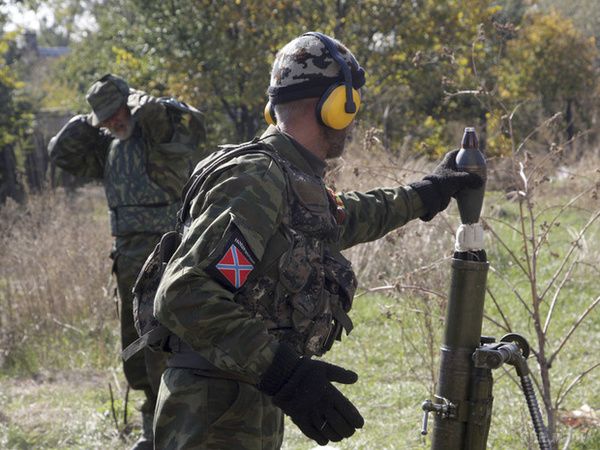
(336, 140)
(123, 130)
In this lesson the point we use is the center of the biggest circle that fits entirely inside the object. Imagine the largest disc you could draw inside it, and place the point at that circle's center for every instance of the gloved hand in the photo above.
(445, 182)
(302, 388)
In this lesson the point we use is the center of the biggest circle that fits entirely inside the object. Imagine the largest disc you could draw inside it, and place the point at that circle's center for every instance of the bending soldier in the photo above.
(258, 284)
(144, 150)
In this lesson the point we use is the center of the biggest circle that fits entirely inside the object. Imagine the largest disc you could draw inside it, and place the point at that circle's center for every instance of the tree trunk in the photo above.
(482, 132)
(9, 183)
(36, 163)
(570, 125)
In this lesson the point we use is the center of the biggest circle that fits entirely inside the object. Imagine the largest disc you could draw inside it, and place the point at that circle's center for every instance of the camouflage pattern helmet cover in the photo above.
(304, 68)
(105, 97)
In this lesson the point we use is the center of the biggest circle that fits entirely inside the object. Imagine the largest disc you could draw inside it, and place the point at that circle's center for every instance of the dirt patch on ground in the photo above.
(76, 379)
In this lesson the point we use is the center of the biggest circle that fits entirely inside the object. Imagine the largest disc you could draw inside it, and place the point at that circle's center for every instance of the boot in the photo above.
(146, 440)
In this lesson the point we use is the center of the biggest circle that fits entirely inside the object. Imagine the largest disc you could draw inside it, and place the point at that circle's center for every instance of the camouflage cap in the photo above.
(305, 68)
(106, 96)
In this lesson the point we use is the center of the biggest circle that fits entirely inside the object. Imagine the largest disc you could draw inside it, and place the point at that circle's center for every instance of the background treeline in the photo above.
(433, 65)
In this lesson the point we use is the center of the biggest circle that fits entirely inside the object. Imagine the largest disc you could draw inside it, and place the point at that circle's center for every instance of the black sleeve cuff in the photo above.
(280, 371)
(430, 196)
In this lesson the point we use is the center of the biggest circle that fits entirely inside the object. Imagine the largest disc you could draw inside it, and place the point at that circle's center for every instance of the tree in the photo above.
(432, 65)
(217, 55)
(585, 14)
(553, 63)
(15, 117)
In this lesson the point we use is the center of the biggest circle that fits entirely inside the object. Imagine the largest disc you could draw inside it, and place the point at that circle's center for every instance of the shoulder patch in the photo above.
(337, 206)
(232, 266)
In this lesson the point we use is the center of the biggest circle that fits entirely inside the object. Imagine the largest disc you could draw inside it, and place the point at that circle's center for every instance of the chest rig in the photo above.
(303, 288)
(136, 203)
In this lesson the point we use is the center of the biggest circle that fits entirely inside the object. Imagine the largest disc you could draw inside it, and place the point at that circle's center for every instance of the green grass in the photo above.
(57, 349)
(575, 295)
(72, 409)
(64, 410)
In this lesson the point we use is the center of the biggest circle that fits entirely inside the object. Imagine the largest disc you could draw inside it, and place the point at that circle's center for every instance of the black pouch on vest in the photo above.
(153, 334)
(340, 285)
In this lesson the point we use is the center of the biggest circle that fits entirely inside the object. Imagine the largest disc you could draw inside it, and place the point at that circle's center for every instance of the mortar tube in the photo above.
(464, 317)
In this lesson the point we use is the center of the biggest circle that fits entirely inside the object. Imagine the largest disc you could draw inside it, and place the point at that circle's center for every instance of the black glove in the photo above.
(445, 182)
(302, 388)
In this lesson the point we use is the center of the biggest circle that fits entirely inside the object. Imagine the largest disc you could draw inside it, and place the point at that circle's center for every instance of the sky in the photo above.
(19, 17)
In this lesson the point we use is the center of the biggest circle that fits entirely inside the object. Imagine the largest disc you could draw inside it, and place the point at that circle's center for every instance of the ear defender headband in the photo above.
(340, 103)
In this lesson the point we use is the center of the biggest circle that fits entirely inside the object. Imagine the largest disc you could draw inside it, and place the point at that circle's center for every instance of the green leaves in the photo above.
(430, 63)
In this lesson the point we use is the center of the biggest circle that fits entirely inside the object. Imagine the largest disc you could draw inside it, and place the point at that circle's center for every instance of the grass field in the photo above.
(59, 341)
(71, 408)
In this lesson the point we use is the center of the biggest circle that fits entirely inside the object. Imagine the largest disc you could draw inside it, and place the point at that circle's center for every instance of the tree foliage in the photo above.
(432, 66)
(555, 67)
(556, 61)
(585, 14)
(9, 109)
(15, 118)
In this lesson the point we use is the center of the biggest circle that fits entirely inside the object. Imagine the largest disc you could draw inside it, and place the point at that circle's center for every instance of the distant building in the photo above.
(31, 48)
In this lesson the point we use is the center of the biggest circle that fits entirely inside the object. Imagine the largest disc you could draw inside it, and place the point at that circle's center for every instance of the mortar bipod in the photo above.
(513, 349)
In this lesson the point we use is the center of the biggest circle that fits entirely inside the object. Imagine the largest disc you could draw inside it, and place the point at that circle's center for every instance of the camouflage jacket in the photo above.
(143, 176)
(237, 283)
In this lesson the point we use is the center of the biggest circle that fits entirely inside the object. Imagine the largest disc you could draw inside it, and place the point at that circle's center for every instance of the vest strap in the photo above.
(199, 176)
(344, 319)
(147, 340)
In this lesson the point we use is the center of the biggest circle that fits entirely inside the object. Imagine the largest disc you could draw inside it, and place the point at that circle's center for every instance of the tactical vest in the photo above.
(306, 293)
(302, 288)
(136, 203)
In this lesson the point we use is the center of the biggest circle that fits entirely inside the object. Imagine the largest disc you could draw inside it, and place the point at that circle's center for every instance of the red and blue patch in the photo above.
(232, 267)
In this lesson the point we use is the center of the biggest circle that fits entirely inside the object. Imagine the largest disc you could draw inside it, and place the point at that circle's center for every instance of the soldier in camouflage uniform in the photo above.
(144, 149)
(258, 285)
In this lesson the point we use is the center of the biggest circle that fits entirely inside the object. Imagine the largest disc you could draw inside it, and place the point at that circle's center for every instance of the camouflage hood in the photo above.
(304, 68)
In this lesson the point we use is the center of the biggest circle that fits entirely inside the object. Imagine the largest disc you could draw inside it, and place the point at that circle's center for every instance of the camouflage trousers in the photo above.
(198, 412)
(143, 370)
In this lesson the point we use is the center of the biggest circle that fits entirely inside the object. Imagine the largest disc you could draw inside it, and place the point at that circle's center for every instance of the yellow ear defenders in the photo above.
(333, 110)
(269, 113)
(340, 102)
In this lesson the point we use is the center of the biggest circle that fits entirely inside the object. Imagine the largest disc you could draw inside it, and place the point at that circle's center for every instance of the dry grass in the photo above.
(55, 280)
(414, 247)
